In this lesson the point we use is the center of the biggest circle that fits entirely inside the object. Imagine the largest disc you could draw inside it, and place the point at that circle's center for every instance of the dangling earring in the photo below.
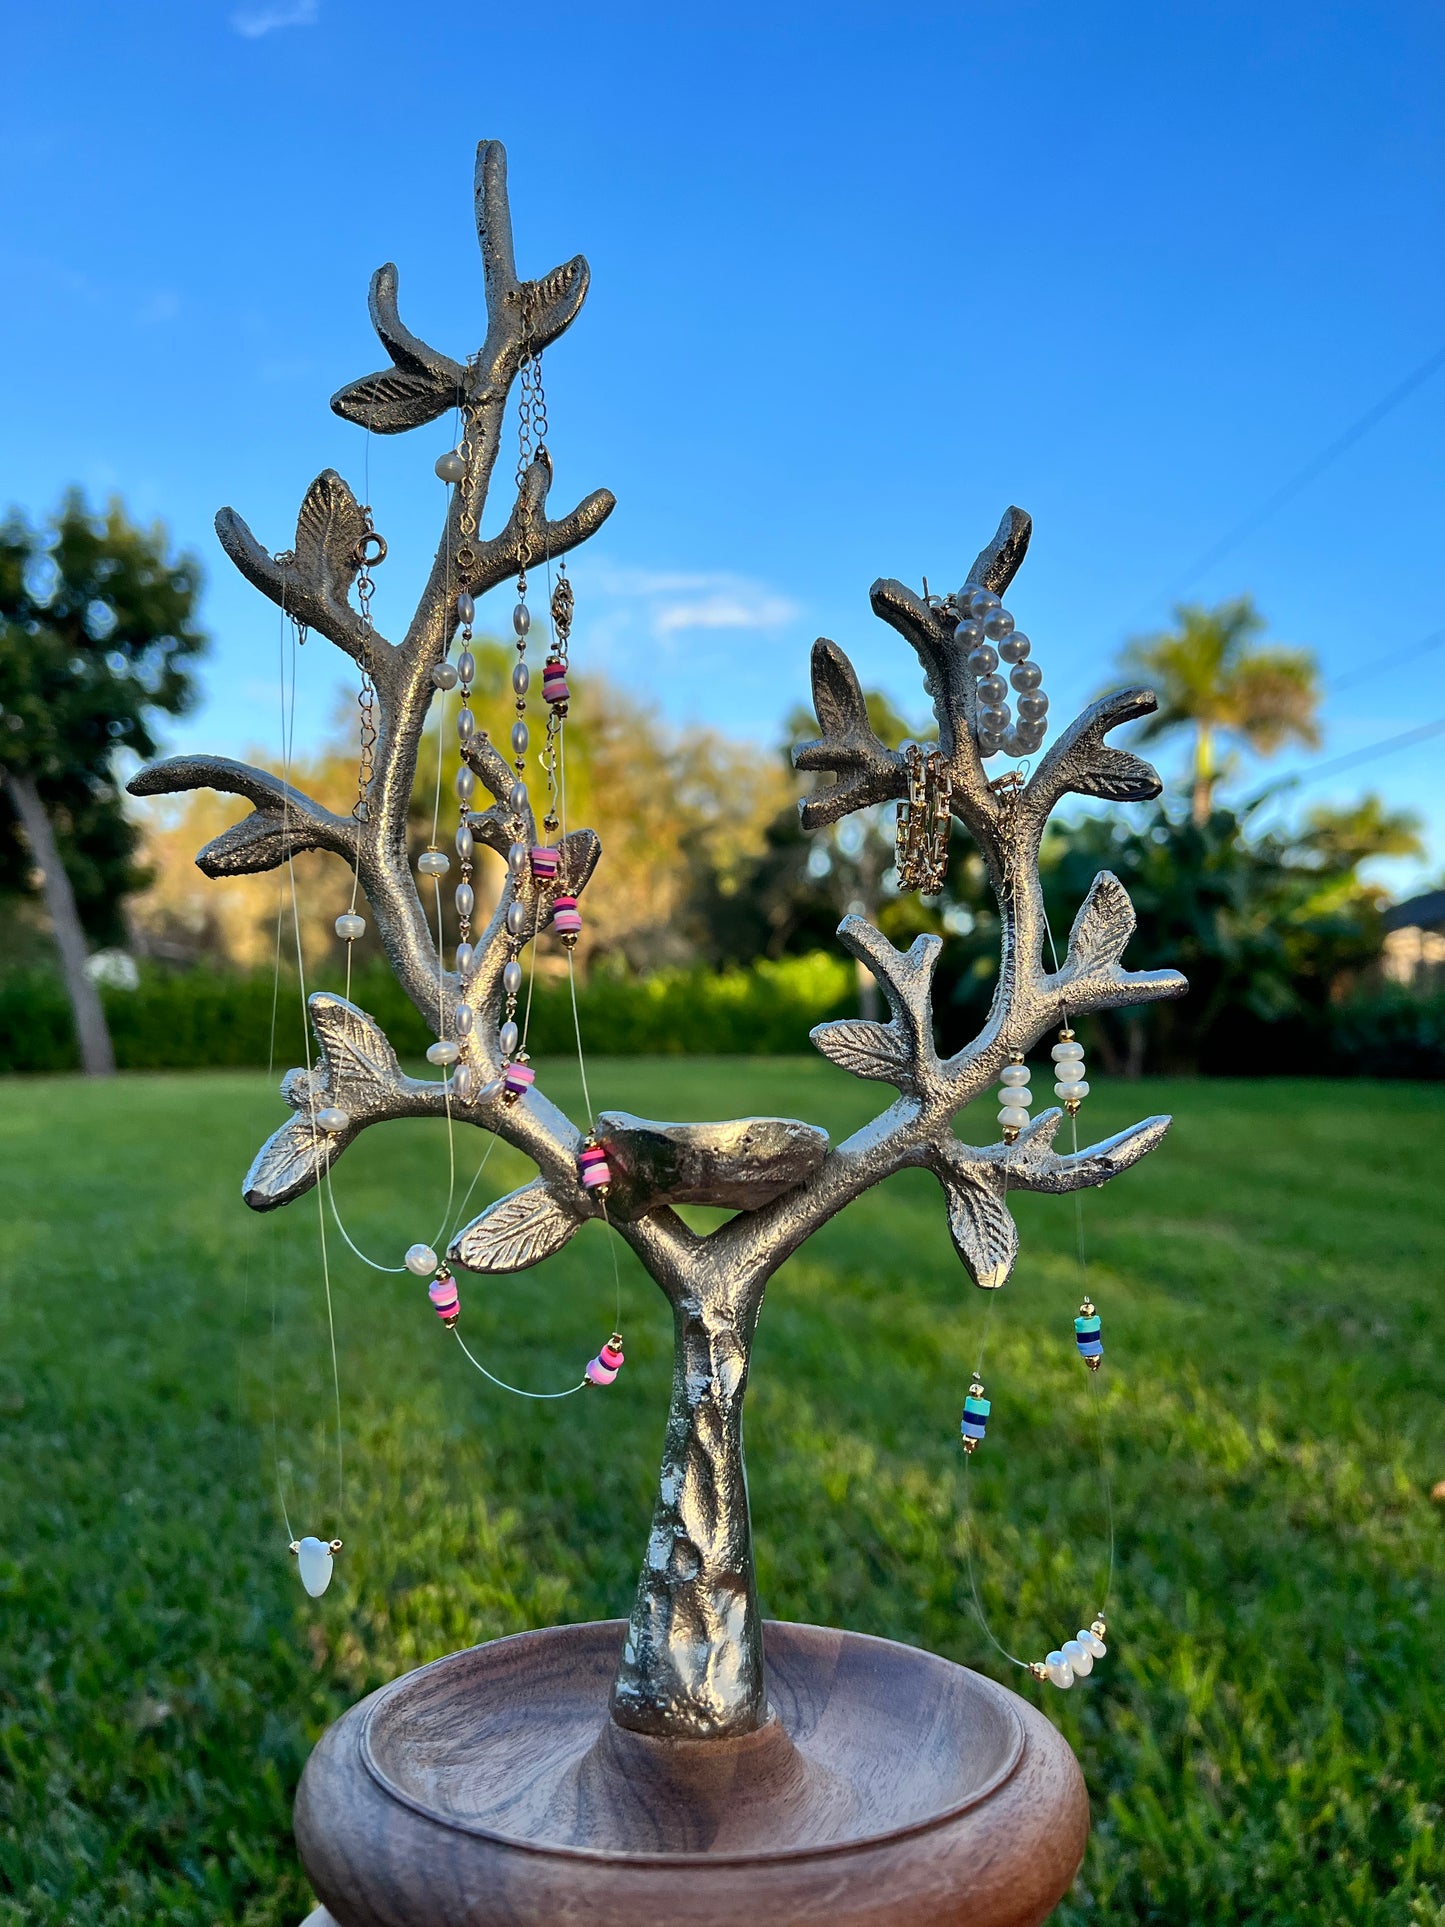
(923, 821)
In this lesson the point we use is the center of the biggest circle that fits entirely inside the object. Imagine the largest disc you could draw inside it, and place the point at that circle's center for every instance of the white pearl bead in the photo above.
(521, 679)
(466, 959)
(512, 977)
(1060, 1671)
(463, 1078)
(517, 798)
(521, 618)
(508, 1037)
(333, 1119)
(1013, 1117)
(466, 899)
(420, 1260)
(1014, 1074)
(1092, 1642)
(520, 739)
(466, 610)
(466, 784)
(350, 927)
(1069, 1048)
(463, 1018)
(518, 858)
(466, 665)
(516, 919)
(466, 725)
(998, 624)
(1069, 1071)
(1079, 1657)
(433, 863)
(1081, 1089)
(465, 842)
(451, 467)
(442, 1053)
(444, 676)
(1021, 1097)
(314, 1562)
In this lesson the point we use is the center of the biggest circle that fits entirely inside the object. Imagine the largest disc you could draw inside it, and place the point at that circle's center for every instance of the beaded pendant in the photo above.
(602, 1369)
(1088, 1335)
(976, 1409)
(313, 1562)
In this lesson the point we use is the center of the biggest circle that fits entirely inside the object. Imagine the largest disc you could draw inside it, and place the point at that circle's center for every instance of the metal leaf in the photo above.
(1102, 928)
(406, 349)
(984, 1232)
(393, 401)
(517, 1231)
(1117, 776)
(848, 743)
(258, 842)
(327, 530)
(358, 1061)
(288, 1163)
(866, 1049)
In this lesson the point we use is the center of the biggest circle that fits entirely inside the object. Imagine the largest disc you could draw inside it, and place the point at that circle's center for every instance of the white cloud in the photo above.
(253, 22)
(677, 601)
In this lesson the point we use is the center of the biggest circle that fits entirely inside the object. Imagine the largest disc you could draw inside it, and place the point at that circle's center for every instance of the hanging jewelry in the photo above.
(923, 821)
(1088, 1335)
(976, 1409)
(1014, 1097)
(1070, 1084)
(987, 631)
(313, 1562)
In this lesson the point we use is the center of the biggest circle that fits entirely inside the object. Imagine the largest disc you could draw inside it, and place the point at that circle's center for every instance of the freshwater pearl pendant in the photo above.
(313, 1561)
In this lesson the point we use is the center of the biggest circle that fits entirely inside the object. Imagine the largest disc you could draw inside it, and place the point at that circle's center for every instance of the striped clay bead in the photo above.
(545, 862)
(443, 1293)
(566, 918)
(976, 1409)
(1088, 1335)
(593, 1168)
(554, 682)
(517, 1080)
(602, 1369)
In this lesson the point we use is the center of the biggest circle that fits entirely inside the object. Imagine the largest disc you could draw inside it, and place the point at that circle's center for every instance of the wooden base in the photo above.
(890, 1789)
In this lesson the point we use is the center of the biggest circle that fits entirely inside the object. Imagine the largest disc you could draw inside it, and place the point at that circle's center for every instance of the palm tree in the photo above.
(1211, 678)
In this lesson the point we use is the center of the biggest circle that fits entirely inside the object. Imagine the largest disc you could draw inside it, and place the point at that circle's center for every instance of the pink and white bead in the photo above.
(517, 1080)
(545, 863)
(567, 920)
(554, 682)
(443, 1294)
(593, 1168)
(602, 1369)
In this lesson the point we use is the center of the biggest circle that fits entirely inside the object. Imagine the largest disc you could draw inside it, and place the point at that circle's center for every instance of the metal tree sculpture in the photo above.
(692, 1662)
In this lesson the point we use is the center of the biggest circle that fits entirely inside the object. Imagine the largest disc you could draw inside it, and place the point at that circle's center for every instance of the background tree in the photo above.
(97, 623)
(1211, 678)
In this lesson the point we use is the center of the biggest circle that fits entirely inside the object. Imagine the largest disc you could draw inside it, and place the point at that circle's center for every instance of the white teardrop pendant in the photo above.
(314, 1561)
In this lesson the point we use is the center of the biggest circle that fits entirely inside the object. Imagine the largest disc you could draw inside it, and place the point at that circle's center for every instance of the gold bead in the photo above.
(1038, 1669)
(1010, 1133)
(1093, 1363)
(1097, 1627)
(970, 1446)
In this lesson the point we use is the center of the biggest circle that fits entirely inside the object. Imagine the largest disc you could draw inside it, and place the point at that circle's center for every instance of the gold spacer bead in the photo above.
(333, 1547)
(1093, 1363)
(970, 1446)
(1038, 1669)
(1097, 1627)
(1010, 1133)
(1071, 1105)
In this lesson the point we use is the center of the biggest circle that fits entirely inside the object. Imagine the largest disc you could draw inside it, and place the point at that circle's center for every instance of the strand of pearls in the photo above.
(987, 631)
(1075, 1658)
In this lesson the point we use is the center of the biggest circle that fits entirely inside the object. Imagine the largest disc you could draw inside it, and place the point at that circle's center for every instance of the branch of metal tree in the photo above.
(976, 1182)
(284, 822)
(311, 582)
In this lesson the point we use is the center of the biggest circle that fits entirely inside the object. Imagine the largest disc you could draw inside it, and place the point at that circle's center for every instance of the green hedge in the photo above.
(180, 1020)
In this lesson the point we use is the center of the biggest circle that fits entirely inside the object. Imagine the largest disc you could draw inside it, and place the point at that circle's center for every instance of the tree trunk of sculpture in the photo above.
(693, 1659)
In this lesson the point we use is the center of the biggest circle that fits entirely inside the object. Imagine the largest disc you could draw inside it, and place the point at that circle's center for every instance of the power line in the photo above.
(1385, 747)
(1301, 479)
(1352, 676)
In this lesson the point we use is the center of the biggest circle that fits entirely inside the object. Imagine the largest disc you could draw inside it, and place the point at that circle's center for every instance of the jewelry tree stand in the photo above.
(692, 1764)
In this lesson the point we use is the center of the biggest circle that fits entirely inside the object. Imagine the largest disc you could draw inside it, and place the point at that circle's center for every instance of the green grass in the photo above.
(1263, 1744)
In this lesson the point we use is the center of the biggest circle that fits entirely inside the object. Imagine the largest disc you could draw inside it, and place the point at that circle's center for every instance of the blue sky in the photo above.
(861, 277)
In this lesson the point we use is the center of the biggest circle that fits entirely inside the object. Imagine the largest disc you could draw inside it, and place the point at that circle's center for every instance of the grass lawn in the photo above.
(1263, 1744)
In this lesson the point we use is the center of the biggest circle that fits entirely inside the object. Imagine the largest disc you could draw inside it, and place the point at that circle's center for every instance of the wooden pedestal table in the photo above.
(890, 1788)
